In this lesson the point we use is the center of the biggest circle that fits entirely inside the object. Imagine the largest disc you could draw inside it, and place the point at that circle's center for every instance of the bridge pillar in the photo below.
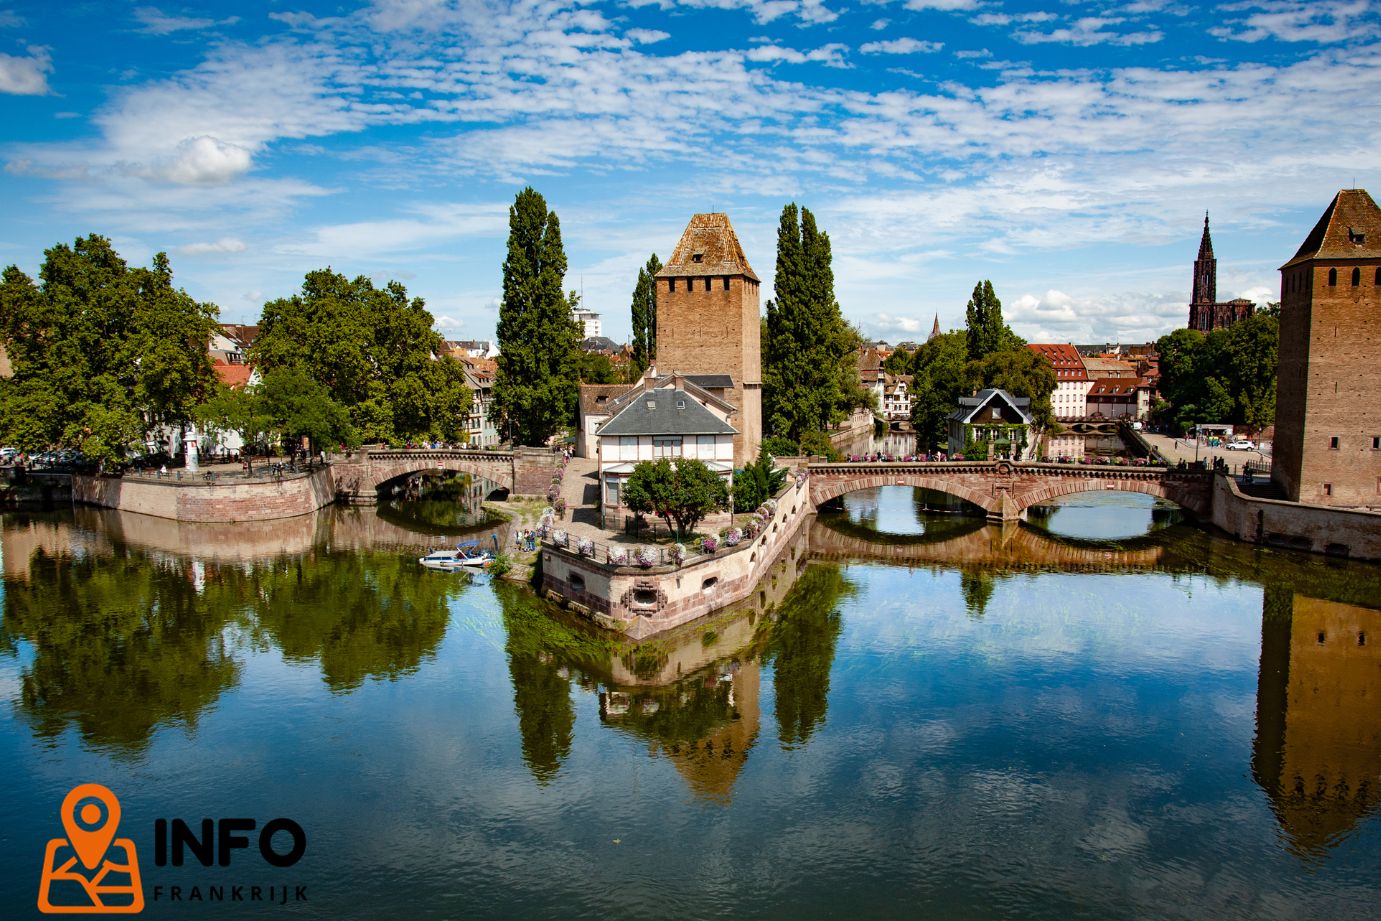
(1006, 508)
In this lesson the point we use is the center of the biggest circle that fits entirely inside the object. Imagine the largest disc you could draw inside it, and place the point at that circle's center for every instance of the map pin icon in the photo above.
(90, 845)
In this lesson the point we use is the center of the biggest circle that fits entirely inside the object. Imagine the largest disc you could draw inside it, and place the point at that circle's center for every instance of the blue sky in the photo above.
(1067, 150)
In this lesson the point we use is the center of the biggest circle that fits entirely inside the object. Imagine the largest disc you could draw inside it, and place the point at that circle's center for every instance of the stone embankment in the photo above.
(200, 499)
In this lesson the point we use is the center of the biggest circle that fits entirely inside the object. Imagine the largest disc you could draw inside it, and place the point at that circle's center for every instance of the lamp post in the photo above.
(1196, 445)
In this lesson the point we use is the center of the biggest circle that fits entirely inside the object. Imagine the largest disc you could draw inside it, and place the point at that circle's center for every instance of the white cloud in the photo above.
(831, 55)
(1089, 30)
(26, 76)
(901, 46)
(946, 5)
(1321, 21)
(223, 245)
(202, 161)
(428, 225)
(880, 24)
(9, 19)
(155, 22)
(646, 36)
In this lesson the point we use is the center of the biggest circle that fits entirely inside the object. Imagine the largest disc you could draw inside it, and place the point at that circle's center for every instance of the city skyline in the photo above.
(1067, 151)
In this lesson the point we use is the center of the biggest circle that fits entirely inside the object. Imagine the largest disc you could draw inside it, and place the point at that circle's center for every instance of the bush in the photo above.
(778, 446)
(818, 443)
(500, 566)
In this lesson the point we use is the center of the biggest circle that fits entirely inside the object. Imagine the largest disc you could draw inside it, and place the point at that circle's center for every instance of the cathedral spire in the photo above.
(1206, 244)
(935, 330)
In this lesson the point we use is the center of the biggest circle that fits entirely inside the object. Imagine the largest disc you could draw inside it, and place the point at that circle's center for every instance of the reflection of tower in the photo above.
(1317, 752)
(712, 764)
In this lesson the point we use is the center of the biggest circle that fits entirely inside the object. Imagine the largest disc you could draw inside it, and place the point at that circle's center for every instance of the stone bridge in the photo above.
(1005, 490)
(521, 471)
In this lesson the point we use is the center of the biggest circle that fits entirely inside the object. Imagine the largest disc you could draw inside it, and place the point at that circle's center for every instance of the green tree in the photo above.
(939, 378)
(375, 353)
(103, 354)
(683, 491)
(233, 410)
(535, 389)
(294, 404)
(1225, 376)
(1252, 352)
(899, 362)
(758, 481)
(810, 377)
(1021, 372)
(595, 368)
(645, 315)
(984, 327)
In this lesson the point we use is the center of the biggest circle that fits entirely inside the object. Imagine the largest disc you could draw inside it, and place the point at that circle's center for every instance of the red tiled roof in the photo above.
(1064, 358)
(236, 376)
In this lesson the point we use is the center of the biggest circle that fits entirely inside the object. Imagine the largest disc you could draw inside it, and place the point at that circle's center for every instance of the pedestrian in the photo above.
(162, 470)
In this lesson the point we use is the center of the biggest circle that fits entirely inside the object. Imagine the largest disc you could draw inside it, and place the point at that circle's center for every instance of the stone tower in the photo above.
(708, 321)
(1205, 313)
(1328, 400)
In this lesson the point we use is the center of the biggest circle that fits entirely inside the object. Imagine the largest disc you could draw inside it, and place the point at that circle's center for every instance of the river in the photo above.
(1104, 713)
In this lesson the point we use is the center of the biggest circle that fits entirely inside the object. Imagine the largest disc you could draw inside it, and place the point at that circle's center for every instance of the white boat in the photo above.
(466, 555)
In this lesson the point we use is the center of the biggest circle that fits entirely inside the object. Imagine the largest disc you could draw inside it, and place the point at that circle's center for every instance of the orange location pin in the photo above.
(92, 844)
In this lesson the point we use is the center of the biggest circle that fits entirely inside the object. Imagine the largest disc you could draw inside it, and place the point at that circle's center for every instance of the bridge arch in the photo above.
(500, 474)
(827, 488)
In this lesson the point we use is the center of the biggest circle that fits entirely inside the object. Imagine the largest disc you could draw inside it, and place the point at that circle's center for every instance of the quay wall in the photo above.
(1337, 532)
(641, 602)
(199, 500)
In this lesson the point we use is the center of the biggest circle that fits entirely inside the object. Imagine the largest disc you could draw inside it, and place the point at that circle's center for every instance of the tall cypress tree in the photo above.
(808, 373)
(535, 388)
(645, 315)
(986, 331)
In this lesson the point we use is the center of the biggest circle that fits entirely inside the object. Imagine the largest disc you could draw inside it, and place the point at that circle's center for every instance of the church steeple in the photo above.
(1205, 284)
(935, 330)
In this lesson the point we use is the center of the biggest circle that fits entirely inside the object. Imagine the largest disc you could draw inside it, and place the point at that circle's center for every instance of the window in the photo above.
(611, 493)
(671, 285)
(1322, 637)
(698, 257)
(1356, 277)
(726, 282)
(576, 581)
(1378, 276)
(666, 446)
(1328, 489)
(707, 283)
(708, 585)
(1332, 278)
(1333, 442)
(705, 445)
(997, 413)
(680, 404)
(1375, 443)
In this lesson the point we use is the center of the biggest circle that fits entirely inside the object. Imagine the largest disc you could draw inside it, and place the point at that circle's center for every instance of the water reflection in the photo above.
(1317, 751)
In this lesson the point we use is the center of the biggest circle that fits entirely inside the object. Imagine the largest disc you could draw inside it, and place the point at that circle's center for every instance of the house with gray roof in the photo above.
(994, 420)
(669, 417)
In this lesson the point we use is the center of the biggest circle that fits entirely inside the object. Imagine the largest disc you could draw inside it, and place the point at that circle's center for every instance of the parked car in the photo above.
(1243, 445)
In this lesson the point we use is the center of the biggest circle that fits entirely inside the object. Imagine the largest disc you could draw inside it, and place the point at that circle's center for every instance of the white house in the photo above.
(993, 418)
(1072, 380)
(896, 397)
(668, 417)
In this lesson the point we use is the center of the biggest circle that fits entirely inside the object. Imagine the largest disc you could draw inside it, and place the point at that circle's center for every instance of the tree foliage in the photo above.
(373, 351)
(645, 315)
(1021, 372)
(1227, 376)
(810, 375)
(939, 378)
(682, 492)
(803, 649)
(103, 354)
(758, 481)
(535, 389)
(985, 330)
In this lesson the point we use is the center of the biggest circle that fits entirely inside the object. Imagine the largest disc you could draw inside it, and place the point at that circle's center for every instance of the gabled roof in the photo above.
(1350, 228)
(596, 399)
(968, 406)
(242, 334)
(236, 376)
(708, 246)
(1064, 358)
(684, 381)
(599, 344)
(666, 411)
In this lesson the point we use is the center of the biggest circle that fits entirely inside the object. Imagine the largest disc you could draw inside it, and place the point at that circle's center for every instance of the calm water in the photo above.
(921, 716)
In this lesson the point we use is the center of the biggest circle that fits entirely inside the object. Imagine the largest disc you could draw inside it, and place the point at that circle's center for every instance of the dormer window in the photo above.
(651, 404)
(698, 258)
(680, 404)
(1356, 236)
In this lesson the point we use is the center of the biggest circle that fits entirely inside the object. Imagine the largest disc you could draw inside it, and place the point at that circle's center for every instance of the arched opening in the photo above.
(900, 511)
(576, 581)
(1104, 515)
(438, 501)
(1356, 277)
(709, 584)
(1332, 278)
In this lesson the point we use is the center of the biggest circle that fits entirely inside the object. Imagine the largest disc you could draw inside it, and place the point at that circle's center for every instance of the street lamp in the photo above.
(1196, 445)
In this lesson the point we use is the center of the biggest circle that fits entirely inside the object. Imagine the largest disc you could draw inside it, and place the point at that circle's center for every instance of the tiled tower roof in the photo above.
(708, 247)
(1349, 229)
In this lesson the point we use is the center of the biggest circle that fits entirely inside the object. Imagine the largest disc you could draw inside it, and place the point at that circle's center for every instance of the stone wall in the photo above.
(1339, 532)
(199, 500)
(643, 602)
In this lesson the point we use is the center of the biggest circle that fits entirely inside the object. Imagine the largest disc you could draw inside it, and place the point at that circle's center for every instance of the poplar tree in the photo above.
(986, 331)
(809, 373)
(535, 388)
(645, 315)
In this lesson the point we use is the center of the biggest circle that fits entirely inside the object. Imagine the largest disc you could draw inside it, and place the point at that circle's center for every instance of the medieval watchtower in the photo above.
(1328, 402)
(708, 321)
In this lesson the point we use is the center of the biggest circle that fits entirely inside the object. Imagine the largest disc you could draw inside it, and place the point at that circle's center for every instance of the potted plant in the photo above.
(732, 537)
(646, 557)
